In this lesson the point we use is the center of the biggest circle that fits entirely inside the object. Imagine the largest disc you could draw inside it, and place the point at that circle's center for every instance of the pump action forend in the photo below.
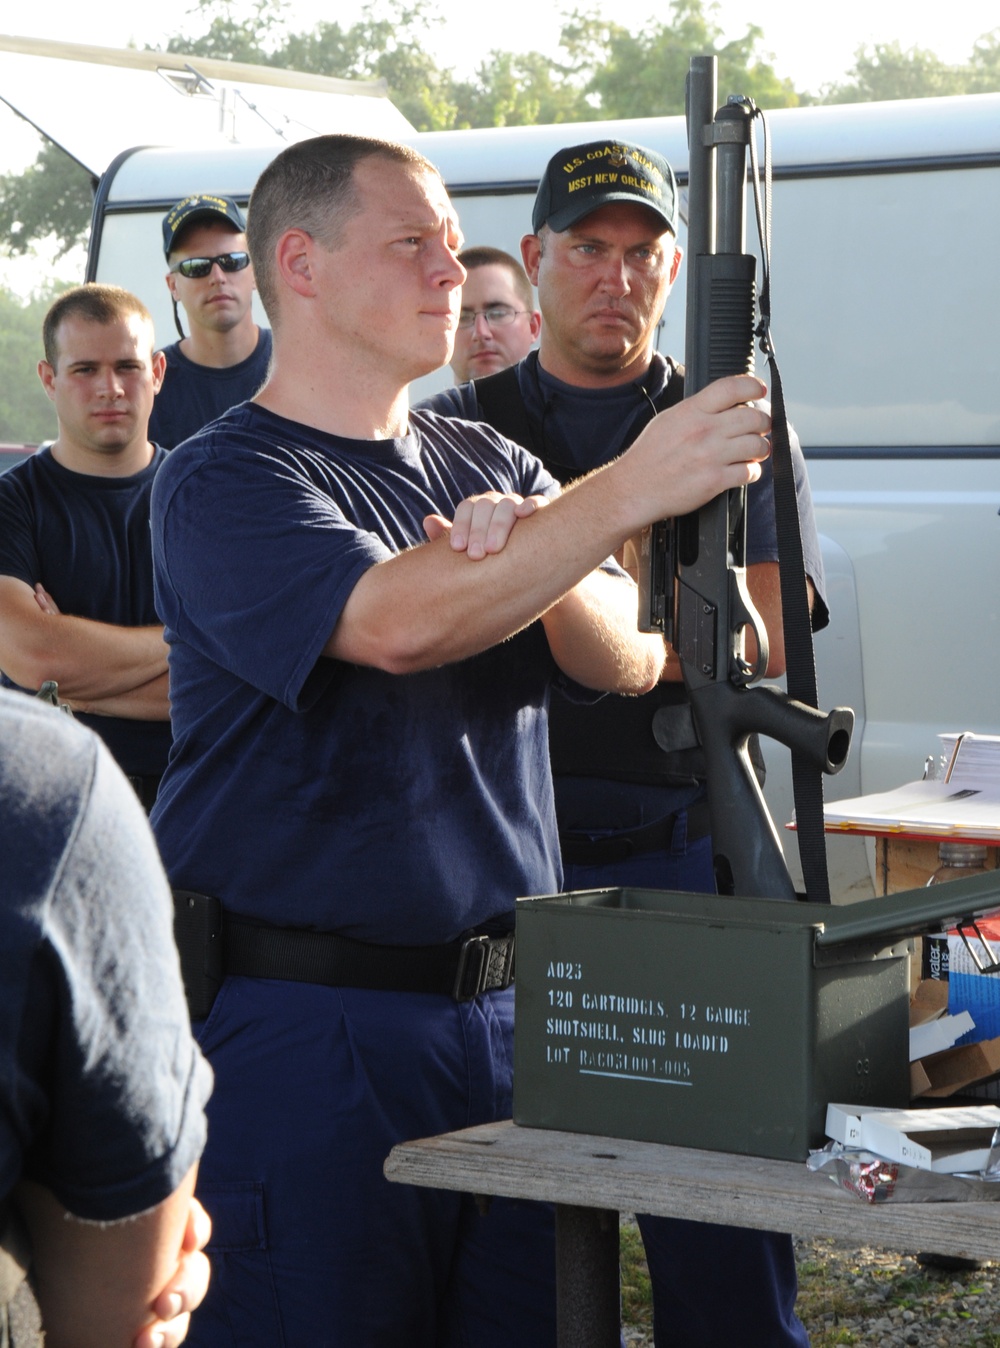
(692, 577)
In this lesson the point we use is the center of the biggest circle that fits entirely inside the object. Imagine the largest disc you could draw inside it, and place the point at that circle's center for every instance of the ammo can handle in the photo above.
(913, 912)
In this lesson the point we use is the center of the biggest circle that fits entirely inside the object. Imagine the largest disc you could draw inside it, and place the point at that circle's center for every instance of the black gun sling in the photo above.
(213, 943)
(648, 740)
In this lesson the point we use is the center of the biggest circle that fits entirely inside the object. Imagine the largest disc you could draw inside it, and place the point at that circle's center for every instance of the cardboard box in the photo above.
(929, 1000)
(713, 1022)
(951, 1071)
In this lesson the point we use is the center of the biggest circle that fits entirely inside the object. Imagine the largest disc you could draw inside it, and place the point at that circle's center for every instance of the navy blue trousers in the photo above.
(713, 1286)
(312, 1247)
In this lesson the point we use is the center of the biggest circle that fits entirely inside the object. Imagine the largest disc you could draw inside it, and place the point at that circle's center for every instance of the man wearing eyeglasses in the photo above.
(498, 323)
(224, 358)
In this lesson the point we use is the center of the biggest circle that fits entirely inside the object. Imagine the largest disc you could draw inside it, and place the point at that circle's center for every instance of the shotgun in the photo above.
(692, 575)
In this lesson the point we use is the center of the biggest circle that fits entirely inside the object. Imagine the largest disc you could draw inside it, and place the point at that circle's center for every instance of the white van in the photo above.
(886, 298)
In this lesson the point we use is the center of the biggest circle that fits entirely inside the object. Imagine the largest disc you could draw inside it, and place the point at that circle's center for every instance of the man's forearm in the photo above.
(594, 638)
(96, 1283)
(430, 606)
(91, 660)
(88, 659)
(149, 702)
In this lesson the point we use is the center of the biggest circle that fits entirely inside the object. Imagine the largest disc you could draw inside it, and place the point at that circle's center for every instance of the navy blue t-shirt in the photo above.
(102, 1088)
(610, 771)
(193, 395)
(86, 539)
(583, 428)
(310, 792)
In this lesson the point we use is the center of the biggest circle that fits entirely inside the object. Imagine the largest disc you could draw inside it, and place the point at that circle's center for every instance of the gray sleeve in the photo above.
(126, 1084)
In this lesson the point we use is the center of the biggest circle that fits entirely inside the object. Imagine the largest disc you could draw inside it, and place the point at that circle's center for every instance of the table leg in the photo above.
(588, 1295)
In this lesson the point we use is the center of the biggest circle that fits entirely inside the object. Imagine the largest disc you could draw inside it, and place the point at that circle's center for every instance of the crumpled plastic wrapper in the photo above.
(873, 1179)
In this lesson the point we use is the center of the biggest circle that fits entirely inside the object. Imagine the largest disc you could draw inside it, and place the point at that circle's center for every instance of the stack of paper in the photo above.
(921, 810)
(971, 760)
(964, 803)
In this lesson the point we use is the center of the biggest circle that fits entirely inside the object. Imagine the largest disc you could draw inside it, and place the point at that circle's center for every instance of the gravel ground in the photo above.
(870, 1296)
(849, 1296)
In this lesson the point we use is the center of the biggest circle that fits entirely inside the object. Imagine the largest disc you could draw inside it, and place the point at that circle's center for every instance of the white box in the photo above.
(948, 1141)
(934, 1036)
(843, 1122)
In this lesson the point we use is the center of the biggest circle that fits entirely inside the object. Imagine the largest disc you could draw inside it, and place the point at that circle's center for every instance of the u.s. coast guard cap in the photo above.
(203, 206)
(583, 178)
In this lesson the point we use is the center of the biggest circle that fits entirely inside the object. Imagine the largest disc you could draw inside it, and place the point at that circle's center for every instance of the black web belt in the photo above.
(214, 943)
(579, 850)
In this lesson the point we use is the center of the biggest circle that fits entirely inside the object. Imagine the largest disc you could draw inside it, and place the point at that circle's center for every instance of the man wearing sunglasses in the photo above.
(498, 324)
(223, 360)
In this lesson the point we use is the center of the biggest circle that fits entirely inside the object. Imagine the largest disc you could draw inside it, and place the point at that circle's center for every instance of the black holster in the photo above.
(198, 934)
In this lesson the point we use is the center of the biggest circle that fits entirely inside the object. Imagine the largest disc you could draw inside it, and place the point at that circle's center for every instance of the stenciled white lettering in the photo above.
(565, 969)
(727, 1015)
(621, 1005)
(702, 1043)
(582, 1029)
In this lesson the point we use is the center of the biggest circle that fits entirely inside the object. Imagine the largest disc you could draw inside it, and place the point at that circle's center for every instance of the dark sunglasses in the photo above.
(194, 268)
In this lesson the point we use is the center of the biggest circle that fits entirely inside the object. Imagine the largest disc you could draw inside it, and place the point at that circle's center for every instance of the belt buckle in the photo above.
(483, 965)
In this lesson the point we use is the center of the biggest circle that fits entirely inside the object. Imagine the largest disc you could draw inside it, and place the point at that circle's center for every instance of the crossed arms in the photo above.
(100, 667)
(428, 607)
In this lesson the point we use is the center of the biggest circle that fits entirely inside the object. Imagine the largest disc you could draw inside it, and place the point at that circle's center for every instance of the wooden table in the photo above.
(907, 861)
(592, 1179)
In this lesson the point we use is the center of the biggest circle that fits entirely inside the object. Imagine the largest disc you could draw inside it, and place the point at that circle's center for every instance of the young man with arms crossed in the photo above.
(361, 772)
(76, 570)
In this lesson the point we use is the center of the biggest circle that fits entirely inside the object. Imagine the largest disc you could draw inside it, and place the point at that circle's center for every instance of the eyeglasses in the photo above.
(496, 315)
(194, 268)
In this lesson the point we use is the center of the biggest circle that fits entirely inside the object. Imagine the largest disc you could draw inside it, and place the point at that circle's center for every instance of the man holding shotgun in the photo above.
(628, 772)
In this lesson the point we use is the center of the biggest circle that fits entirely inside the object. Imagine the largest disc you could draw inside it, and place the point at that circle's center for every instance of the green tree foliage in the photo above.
(603, 68)
(640, 72)
(984, 68)
(388, 48)
(885, 71)
(26, 415)
(53, 196)
(229, 37)
(521, 89)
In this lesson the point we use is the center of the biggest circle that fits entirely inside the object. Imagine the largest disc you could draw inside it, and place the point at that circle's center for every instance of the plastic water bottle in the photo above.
(957, 860)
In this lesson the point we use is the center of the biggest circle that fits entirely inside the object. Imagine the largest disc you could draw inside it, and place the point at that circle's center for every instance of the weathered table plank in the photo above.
(610, 1173)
